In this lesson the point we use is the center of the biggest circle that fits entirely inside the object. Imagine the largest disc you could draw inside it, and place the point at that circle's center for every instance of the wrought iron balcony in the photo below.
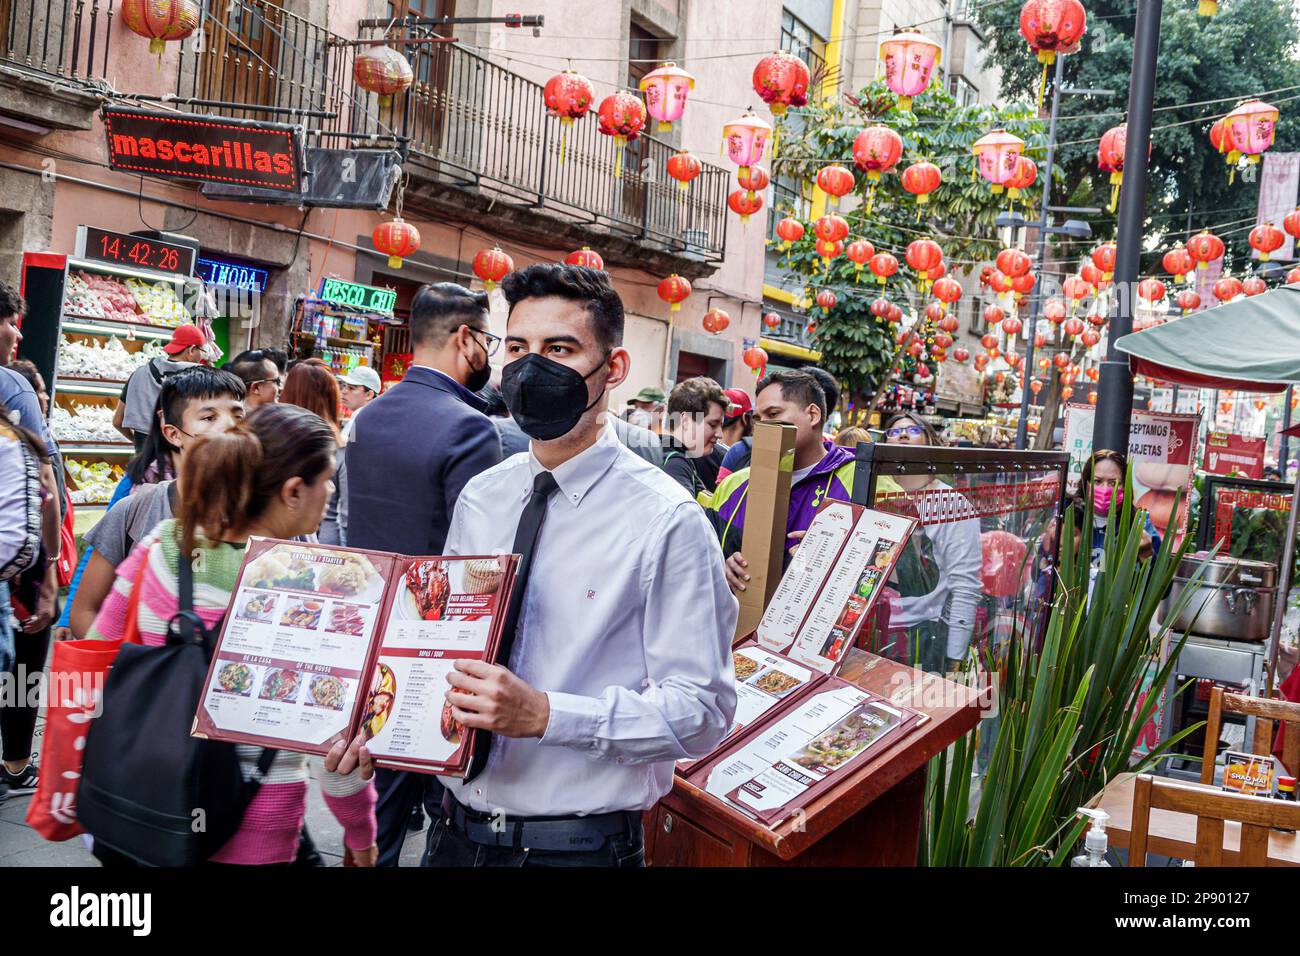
(56, 39)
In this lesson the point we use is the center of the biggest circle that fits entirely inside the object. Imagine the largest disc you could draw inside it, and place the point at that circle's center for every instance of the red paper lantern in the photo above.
(753, 179)
(811, 328)
(1024, 176)
(1293, 276)
(895, 314)
(1103, 257)
(1090, 338)
(1061, 359)
(683, 167)
(828, 250)
(1227, 289)
(923, 255)
(586, 257)
(993, 315)
(937, 272)
(1188, 300)
(961, 354)
(1291, 223)
(568, 95)
(831, 228)
(1153, 290)
(1052, 26)
(674, 291)
(1110, 158)
(1205, 247)
(492, 265)
(1014, 262)
(1260, 404)
(1000, 377)
(835, 181)
(715, 321)
(1097, 319)
(921, 179)
(1024, 284)
(781, 80)
(989, 340)
(876, 150)
(922, 371)
(947, 290)
(621, 115)
(755, 358)
(1035, 385)
(949, 323)
(943, 340)
(744, 204)
(1073, 327)
(1092, 373)
(1090, 274)
(859, 252)
(1012, 326)
(772, 320)
(1000, 283)
(1092, 398)
(1254, 285)
(916, 349)
(880, 308)
(1067, 393)
(826, 299)
(790, 230)
(159, 21)
(934, 311)
(883, 265)
(396, 239)
(1266, 239)
(1013, 359)
(1039, 340)
(1178, 262)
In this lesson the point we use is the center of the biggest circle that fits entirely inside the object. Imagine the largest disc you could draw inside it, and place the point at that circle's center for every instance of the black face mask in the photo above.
(546, 399)
(479, 377)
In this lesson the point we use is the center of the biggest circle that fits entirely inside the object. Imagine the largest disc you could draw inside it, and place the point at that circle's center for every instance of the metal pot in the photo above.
(1233, 600)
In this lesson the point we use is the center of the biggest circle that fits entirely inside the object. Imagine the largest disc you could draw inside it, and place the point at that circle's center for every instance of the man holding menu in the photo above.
(615, 650)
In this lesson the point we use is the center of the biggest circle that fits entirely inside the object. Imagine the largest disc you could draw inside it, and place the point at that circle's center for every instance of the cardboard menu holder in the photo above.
(767, 503)
(322, 643)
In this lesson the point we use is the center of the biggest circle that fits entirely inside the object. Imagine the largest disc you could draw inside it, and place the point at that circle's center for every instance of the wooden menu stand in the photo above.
(872, 818)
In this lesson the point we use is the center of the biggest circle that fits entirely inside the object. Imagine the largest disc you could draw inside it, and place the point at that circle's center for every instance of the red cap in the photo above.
(740, 402)
(183, 336)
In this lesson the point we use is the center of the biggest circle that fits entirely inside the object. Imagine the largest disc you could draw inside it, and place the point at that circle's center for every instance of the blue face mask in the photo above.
(546, 399)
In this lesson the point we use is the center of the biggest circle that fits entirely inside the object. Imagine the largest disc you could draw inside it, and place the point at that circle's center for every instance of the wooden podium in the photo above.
(872, 818)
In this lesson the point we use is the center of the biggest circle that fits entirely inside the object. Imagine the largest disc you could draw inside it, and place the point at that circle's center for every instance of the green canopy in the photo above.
(1251, 343)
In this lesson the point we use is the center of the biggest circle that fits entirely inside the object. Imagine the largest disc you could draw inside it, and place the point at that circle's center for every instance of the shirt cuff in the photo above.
(573, 722)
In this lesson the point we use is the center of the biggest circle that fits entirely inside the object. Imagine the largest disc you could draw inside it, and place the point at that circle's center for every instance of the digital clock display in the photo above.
(138, 252)
(367, 298)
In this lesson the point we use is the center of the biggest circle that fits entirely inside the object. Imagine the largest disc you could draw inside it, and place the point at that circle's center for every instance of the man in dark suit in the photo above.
(411, 451)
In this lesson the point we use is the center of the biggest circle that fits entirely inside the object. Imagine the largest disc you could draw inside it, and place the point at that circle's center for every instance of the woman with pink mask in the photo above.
(1101, 488)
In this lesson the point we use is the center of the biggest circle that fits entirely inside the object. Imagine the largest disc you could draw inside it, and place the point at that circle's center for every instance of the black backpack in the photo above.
(150, 793)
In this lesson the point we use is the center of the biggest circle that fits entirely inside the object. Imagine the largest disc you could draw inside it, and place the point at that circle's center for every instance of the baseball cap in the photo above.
(363, 376)
(183, 336)
(740, 402)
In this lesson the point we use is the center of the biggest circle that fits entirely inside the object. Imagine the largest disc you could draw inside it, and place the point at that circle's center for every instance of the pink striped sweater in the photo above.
(273, 821)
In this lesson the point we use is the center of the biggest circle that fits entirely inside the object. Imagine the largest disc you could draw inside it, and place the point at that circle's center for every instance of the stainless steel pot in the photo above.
(1233, 600)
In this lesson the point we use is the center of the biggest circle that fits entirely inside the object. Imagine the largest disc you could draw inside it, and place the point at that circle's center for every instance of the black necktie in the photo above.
(526, 534)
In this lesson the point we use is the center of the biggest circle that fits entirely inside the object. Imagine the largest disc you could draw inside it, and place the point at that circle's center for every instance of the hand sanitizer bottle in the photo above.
(1095, 842)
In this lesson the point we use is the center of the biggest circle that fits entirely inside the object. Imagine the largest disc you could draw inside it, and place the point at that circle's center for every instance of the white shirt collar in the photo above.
(577, 475)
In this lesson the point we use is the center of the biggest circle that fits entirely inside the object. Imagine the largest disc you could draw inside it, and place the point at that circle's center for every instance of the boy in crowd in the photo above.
(696, 409)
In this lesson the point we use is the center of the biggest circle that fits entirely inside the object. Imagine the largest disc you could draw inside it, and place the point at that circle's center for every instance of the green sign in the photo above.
(368, 298)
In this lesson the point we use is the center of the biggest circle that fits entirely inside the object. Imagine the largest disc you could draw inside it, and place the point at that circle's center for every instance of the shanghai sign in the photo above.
(213, 149)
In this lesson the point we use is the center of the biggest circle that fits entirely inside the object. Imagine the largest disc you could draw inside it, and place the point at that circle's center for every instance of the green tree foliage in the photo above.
(857, 347)
(1246, 50)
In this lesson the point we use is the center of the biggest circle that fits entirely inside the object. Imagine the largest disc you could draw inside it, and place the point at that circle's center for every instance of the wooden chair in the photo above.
(1265, 713)
(1212, 808)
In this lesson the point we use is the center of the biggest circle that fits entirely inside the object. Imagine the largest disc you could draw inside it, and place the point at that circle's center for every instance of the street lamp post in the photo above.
(1115, 390)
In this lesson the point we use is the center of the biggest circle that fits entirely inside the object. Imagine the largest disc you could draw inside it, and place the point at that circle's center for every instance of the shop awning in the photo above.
(789, 350)
(1251, 344)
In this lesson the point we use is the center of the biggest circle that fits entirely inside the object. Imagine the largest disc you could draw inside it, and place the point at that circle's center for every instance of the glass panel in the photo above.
(1248, 519)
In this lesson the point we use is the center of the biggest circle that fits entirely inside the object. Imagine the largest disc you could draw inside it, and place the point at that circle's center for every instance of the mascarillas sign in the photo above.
(214, 149)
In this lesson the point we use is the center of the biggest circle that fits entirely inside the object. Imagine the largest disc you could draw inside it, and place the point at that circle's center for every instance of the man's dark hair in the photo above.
(440, 309)
(178, 390)
(800, 387)
(250, 366)
(830, 385)
(11, 303)
(695, 395)
(591, 287)
(279, 356)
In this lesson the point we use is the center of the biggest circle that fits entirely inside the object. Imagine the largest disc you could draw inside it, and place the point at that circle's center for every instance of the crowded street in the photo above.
(649, 434)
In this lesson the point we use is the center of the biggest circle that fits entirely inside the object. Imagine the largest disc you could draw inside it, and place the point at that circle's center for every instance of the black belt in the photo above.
(571, 834)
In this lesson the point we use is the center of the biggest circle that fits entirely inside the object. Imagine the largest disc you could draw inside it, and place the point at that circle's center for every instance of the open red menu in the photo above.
(833, 583)
(321, 643)
(801, 747)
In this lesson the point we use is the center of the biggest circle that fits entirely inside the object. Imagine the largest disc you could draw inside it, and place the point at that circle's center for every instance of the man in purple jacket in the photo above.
(821, 469)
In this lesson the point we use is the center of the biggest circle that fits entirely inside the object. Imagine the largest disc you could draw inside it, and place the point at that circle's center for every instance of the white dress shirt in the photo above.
(626, 625)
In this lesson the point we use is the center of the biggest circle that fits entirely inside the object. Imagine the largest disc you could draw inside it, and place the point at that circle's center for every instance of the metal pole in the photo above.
(1035, 302)
(1115, 390)
(1284, 443)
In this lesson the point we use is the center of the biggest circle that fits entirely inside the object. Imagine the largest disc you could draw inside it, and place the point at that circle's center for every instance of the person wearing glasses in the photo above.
(260, 374)
(410, 453)
(938, 575)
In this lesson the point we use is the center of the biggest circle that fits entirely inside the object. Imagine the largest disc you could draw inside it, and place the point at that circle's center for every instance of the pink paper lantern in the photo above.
(665, 92)
(746, 138)
(998, 157)
(909, 60)
(1251, 126)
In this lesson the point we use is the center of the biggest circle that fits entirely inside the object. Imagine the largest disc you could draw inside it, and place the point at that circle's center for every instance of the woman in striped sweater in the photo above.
(269, 476)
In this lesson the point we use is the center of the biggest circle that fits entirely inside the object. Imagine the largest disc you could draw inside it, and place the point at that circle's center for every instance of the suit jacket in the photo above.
(411, 451)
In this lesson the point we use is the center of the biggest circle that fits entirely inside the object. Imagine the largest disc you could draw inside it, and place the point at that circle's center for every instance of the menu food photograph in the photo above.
(325, 643)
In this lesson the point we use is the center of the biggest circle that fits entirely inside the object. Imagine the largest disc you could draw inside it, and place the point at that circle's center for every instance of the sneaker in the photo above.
(22, 782)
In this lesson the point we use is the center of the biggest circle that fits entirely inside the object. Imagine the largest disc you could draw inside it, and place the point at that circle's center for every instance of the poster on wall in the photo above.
(1162, 451)
(1227, 454)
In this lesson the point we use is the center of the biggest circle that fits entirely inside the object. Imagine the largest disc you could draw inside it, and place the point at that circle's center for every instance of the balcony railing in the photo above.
(56, 39)
(467, 121)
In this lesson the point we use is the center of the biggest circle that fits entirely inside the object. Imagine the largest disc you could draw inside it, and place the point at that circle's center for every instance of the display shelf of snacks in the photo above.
(91, 483)
(339, 335)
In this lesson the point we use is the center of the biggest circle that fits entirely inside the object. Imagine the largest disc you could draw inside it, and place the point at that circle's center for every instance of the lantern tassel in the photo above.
(871, 198)
(564, 136)
(618, 156)
(1042, 86)
(394, 262)
(1114, 197)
